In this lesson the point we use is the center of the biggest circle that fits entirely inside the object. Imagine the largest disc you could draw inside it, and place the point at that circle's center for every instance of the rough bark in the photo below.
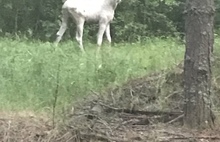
(197, 65)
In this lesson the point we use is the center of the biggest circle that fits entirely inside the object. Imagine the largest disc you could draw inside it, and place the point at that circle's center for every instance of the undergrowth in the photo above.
(32, 72)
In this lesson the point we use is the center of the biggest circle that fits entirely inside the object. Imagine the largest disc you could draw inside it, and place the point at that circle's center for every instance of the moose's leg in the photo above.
(107, 33)
(102, 28)
(79, 32)
(63, 27)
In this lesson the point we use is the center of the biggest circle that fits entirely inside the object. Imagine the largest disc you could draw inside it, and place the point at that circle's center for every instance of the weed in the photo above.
(28, 69)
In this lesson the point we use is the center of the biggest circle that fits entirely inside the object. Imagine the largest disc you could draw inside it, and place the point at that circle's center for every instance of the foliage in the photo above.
(135, 19)
(217, 19)
(28, 70)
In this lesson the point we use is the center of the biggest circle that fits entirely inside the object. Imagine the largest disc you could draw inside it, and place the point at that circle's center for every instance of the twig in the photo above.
(174, 93)
(56, 94)
(63, 136)
(112, 96)
(94, 92)
(6, 119)
(176, 119)
(7, 131)
(105, 124)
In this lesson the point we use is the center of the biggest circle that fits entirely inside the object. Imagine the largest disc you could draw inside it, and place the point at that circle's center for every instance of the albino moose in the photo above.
(101, 11)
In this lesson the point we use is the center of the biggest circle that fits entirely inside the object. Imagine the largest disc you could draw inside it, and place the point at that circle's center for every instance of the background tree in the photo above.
(197, 65)
(135, 20)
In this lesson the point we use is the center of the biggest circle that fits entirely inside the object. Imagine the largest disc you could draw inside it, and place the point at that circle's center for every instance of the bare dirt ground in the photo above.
(146, 109)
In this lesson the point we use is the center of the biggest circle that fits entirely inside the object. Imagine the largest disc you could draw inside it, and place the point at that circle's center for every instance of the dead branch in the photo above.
(196, 137)
(102, 137)
(181, 136)
(110, 109)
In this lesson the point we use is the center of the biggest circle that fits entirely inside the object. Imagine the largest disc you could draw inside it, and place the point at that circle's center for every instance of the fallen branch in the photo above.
(181, 136)
(110, 109)
(102, 137)
(197, 137)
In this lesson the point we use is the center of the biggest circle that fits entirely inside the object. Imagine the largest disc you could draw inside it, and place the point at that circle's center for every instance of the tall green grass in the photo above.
(30, 71)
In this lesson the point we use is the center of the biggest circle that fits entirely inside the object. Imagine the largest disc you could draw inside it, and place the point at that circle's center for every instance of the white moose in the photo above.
(101, 11)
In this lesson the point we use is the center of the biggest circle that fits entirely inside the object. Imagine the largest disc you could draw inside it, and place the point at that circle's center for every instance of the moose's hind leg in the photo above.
(79, 32)
(108, 34)
(102, 29)
(63, 27)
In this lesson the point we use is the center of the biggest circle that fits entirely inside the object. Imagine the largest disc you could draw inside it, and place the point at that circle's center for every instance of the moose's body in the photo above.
(101, 11)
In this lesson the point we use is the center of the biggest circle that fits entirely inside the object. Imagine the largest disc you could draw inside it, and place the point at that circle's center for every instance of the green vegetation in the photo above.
(30, 71)
(134, 19)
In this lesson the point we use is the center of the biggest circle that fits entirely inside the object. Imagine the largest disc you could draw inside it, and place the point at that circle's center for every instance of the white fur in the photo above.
(101, 11)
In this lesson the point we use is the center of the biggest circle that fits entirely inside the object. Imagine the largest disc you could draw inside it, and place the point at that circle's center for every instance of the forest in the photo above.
(135, 20)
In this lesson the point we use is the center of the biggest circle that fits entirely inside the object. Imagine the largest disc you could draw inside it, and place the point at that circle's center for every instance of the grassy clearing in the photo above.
(30, 71)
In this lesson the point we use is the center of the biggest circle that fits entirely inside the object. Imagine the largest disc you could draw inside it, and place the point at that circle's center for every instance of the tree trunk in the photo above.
(197, 65)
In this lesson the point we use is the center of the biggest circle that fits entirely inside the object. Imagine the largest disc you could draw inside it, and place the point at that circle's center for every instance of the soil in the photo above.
(146, 109)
